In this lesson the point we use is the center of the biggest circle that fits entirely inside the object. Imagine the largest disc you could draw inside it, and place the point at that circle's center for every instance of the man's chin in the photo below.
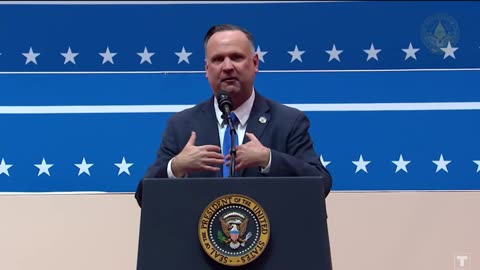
(231, 89)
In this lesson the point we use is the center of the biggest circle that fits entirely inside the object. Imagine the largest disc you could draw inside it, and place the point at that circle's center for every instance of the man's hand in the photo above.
(251, 154)
(197, 158)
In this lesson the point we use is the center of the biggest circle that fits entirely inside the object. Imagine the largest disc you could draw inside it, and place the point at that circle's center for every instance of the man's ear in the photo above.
(255, 62)
(206, 69)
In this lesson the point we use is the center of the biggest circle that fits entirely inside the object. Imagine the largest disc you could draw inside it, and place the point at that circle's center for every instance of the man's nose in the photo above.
(227, 64)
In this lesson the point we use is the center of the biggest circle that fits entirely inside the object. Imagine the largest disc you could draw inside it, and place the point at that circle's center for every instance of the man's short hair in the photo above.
(226, 27)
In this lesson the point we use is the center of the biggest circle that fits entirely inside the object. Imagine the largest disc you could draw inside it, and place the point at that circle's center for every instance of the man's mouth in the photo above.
(229, 80)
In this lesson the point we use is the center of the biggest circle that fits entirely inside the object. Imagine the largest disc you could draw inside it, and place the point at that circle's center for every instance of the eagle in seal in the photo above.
(234, 232)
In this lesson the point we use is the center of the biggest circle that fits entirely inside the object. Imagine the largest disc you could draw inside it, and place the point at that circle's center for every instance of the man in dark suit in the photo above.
(274, 138)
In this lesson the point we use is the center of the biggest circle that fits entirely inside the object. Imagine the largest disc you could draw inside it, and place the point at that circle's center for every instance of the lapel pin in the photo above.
(262, 119)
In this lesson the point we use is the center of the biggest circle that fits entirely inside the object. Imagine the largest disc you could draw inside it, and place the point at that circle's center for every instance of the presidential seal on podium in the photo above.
(234, 230)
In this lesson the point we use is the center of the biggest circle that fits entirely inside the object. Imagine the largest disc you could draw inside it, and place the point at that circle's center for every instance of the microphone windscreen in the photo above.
(224, 101)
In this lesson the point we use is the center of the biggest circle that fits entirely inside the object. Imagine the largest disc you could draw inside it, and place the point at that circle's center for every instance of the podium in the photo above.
(172, 210)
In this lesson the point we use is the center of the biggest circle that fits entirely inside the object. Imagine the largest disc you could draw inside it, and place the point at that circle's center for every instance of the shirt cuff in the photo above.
(267, 169)
(170, 172)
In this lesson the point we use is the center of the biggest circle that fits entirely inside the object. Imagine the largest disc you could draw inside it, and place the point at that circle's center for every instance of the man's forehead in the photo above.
(227, 44)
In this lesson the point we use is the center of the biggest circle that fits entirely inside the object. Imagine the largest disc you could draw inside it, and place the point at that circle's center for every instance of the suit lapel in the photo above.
(259, 117)
(206, 124)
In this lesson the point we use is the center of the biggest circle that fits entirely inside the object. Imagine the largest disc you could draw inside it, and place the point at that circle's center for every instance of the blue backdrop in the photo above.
(391, 89)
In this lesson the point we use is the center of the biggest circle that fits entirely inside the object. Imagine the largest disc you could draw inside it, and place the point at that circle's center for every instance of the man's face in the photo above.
(231, 64)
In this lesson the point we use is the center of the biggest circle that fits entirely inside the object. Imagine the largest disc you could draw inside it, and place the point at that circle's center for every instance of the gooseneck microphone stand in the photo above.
(225, 104)
(233, 150)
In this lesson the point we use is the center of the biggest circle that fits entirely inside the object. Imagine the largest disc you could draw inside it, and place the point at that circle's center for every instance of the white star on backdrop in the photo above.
(4, 167)
(478, 164)
(69, 56)
(183, 56)
(324, 162)
(296, 54)
(334, 54)
(84, 167)
(410, 52)
(449, 51)
(260, 54)
(361, 164)
(145, 55)
(372, 52)
(441, 164)
(123, 167)
(43, 167)
(401, 164)
(31, 56)
(107, 56)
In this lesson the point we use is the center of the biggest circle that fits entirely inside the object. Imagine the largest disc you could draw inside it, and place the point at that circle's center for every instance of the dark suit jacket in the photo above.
(285, 132)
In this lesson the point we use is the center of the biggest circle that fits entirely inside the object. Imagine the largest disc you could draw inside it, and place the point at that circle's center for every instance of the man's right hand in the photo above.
(197, 158)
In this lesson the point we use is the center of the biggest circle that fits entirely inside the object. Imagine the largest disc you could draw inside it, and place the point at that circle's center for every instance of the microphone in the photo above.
(224, 103)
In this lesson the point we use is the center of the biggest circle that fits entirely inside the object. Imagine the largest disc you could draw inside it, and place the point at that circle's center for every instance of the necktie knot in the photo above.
(234, 118)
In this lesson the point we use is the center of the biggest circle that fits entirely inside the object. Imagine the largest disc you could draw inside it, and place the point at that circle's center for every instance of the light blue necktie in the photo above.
(227, 143)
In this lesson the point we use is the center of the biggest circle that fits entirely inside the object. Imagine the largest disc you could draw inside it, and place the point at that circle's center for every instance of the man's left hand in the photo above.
(251, 154)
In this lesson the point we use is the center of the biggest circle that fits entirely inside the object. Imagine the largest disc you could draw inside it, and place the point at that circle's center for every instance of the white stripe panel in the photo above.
(338, 107)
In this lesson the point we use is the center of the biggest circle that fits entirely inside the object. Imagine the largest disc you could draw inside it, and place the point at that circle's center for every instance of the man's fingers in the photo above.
(213, 161)
(214, 155)
(211, 147)
(239, 166)
(192, 139)
(251, 136)
(210, 168)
